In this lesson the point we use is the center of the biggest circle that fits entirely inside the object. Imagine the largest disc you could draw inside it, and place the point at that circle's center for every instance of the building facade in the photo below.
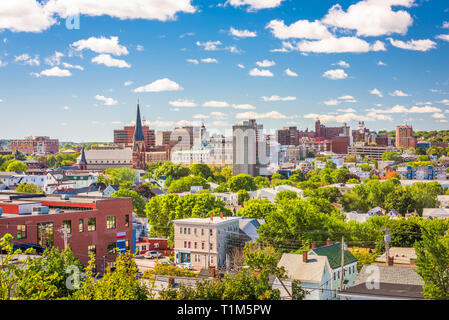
(35, 145)
(404, 137)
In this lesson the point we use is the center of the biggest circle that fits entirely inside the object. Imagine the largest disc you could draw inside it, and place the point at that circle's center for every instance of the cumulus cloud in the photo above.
(242, 33)
(101, 45)
(381, 64)
(336, 74)
(108, 61)
(402, 109)
(244, 106)
(209, 60)
(255, 115)
(301, 29)
(260, 73)
(376, 92)
(336, 45)
(53, 72)
(342, 64)
(194, 61)
(106, 101)
(332, 102)
(55, 59)
(182, 103)
(25, 16)
(415, 45)
(399, 93)
(70, 66)
(27, 59)
(209, 45)
(290, 73)
(128, 83)
(265, 63)
(254, 5)
(371, 17)
(444, 37)
(278, 98)
(216, 104)
(241, 66)
(160, 85)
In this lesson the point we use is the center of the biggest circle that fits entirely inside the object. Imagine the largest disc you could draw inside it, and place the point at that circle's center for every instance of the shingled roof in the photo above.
(333, 254)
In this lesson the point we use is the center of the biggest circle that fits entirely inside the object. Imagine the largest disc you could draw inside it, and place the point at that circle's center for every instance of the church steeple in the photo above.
(138, 132)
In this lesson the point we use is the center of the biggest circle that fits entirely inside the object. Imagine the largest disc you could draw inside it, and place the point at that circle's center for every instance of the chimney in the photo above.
(211, 217)
(313, 245)
(412, 262)
(390, 261)
(328, 241)
(212, 271)
(221, 215)
(304, 256)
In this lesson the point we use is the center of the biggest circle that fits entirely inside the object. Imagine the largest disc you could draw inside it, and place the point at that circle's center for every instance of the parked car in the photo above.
(152, 254)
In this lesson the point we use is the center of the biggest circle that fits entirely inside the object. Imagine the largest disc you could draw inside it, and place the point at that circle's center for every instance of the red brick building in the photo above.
(98, 225)
(35, 145)
(404, 137)
(126, 136)
(340, 144)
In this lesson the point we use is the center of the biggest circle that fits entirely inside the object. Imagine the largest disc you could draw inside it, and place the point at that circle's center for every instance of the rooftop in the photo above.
(216, 220)
(333, 254)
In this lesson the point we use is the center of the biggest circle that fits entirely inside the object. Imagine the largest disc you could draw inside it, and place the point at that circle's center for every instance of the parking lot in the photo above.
(144, 264)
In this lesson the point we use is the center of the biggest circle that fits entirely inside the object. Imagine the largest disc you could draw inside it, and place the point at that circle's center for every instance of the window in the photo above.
(202, 232)
(210, 246)
(210, 232)
(202, 245)
(111, 247)
(91, 224)
(110, 222)
(189, 244)
(185, 230)
(185, 244)
(68, 225)
(81, 225)
(92, 249)
(211, 259)
(194, 231)
(195, 245)
(21, 231)
(180, 230)
(45, 234)
(127, 220)
(156, 245)
(127, 245)
(188, 231)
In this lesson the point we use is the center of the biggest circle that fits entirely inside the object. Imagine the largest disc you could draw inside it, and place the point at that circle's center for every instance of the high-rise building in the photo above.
(288, 136)
(35, 145)
(321, 131)
(404, 137)
(249, 154)
(163, 138)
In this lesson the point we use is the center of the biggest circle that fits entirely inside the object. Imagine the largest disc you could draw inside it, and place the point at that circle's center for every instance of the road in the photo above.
(144, 264)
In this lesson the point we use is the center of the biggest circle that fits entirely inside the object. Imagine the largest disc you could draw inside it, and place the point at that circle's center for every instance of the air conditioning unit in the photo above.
(40, 210)
(65, 197)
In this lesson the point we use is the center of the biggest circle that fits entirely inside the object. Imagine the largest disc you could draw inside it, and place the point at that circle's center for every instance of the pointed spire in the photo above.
(138, 132)
(83, 156)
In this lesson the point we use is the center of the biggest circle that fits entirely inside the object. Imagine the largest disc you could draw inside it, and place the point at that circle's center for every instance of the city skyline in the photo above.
(280, 62)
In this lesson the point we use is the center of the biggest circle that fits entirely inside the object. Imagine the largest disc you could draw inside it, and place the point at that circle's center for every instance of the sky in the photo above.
(73, 69)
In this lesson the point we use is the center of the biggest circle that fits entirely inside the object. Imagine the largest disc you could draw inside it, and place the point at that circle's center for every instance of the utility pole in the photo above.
(342, 261)
(66, 235)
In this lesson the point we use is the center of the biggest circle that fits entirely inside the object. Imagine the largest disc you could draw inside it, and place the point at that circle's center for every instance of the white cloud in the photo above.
(336, 74)
(131, 9)
(438, 115)
(445, 25)
(108, 61)
(160, 124)
(201, 116)
(26, 59)
(2, 63)
(241, 66)
(278, 98)
(218, 114)
(106, 101)
(336, 45)
(187, 123)
(416, 45)
(348, 98)
(216, 104)
(255, 115)
(348, 110)
(70, 66)
(371, 17)
(140, 47)
(376, 92)
(260, 73)
(160, 85)
(209, 45)
(301, 29)
(55, 59)
(242, 33)
(254, 5)
(401, 109)
(266, 63)
(399, 93)
(333, 102)
(209, 60)
(53, 72)
(24, 16)
(342, 64)
(444, 37)
(66, 108)
(101, 45)
(194, 61)
(244, 106)
(444, 101)
(381, 63)
(128, 83)
(290, 73)
(182, 103)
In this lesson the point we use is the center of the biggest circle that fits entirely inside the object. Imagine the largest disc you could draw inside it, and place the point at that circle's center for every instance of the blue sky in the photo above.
(283, 62)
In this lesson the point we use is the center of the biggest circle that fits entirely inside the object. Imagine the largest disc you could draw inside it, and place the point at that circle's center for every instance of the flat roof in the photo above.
(216, 220)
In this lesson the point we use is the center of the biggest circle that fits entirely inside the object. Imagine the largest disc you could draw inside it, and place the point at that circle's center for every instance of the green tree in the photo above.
(17, 166)
(256, 208)
(137, 200)
(391, 156)
(201, 169)
(242, 196)
(184, 184)
(242, 181)
(432, 259)
(261, 182)
(29, 188)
